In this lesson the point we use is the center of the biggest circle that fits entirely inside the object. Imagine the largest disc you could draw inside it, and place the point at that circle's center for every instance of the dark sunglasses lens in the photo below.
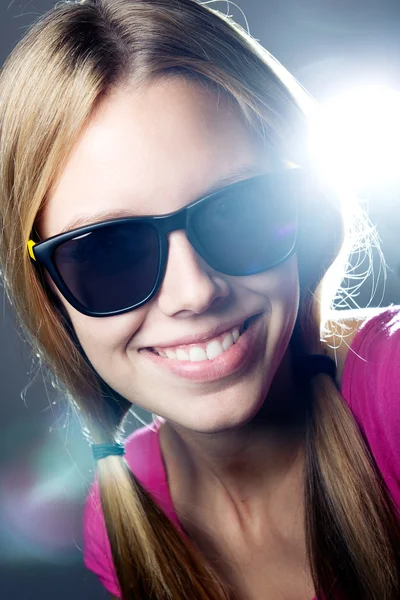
(110, 268)
(249, 228)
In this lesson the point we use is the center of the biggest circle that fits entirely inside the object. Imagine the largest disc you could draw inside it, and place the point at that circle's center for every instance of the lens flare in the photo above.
(42, 492)
(355, 138)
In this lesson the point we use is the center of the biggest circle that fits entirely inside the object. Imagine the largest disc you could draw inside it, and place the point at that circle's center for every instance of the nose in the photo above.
(190, 285)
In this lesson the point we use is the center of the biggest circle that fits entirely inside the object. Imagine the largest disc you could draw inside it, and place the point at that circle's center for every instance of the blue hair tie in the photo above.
(104, 450)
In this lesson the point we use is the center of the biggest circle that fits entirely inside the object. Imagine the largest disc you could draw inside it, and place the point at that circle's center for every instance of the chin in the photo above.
(223, 417)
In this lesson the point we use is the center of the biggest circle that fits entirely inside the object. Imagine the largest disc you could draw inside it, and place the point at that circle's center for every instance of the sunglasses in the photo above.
(115, 266)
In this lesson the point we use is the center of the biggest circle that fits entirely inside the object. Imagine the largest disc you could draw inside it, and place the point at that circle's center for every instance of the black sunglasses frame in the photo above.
(42, 253)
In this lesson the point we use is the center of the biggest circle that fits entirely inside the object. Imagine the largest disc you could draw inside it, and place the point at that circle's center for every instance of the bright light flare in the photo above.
(355, 138)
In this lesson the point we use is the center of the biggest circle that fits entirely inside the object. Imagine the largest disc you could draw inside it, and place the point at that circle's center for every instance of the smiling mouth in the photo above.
(206, 350)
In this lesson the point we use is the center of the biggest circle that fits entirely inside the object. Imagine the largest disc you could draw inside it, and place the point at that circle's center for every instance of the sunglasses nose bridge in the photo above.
(172, 222)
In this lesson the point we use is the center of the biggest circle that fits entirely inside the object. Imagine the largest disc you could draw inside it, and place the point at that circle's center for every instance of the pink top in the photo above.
(370, 386)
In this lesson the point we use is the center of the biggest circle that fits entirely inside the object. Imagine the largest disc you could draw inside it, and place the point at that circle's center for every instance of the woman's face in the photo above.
(151, 153)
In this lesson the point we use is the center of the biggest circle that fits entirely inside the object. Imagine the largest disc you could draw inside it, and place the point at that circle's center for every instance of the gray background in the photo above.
(45, 465)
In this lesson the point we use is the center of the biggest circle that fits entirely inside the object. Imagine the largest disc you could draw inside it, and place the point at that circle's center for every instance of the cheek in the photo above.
(105, 339)
(279, 285)
(284, 297)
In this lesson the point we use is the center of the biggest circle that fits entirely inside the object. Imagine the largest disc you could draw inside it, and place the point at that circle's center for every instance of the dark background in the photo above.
(45, 465)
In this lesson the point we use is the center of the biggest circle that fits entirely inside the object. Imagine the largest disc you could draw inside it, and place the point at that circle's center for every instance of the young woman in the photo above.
(166, 244)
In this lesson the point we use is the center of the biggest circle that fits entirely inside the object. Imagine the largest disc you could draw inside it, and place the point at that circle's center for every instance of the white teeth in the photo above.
(196, 354)
(182, 354)
(227, 342)
(214, 349)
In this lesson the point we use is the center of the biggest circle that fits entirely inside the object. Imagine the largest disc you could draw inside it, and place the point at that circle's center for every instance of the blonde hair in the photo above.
(49, 87)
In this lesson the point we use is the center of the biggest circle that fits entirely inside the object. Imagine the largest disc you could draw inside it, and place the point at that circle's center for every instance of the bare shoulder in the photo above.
(339, 330)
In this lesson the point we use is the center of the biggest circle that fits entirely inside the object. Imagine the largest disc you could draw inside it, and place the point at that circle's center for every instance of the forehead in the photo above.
(151, 153)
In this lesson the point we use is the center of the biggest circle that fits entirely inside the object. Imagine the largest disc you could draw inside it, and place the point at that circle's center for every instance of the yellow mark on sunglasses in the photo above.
(31, 243)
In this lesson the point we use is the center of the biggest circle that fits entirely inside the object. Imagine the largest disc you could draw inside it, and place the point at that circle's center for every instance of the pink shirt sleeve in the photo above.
(371, 386)
(96, 548)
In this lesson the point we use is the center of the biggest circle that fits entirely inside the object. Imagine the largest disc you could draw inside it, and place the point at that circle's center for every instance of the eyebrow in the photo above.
(232, 177)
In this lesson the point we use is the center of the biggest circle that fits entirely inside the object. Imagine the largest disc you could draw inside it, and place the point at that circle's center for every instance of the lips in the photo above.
(236, 331)
(199, 338)
(242, 355)
(202, 350)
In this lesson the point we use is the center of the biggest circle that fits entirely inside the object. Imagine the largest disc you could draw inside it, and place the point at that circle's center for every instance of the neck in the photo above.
(251, 461)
